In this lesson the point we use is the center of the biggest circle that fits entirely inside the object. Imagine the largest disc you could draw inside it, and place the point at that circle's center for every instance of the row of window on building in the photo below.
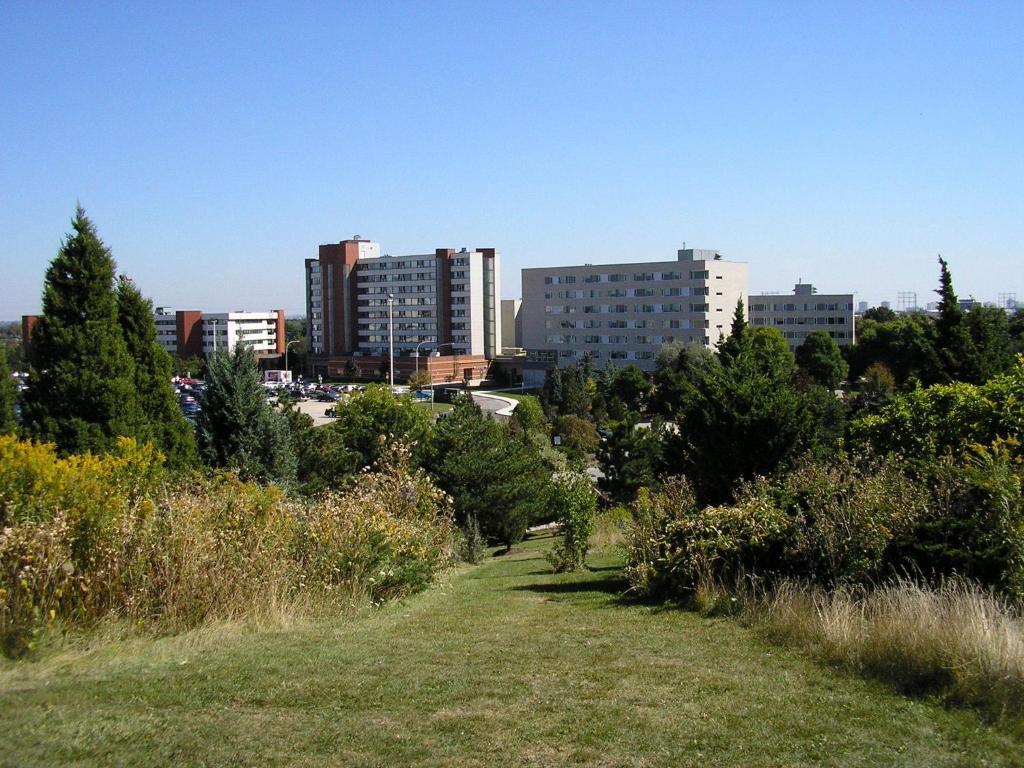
(636, 277)
(613, 309)
(629, 293)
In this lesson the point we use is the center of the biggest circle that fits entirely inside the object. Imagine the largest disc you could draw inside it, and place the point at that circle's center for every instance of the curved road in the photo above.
(494, 404)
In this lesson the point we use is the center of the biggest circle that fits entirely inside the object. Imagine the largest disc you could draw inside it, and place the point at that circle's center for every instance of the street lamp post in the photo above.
(391, 337)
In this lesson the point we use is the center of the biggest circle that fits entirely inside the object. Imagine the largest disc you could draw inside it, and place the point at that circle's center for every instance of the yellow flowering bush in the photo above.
(91, 538)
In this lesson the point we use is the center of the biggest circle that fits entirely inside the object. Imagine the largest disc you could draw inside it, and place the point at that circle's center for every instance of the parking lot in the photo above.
(316, 410)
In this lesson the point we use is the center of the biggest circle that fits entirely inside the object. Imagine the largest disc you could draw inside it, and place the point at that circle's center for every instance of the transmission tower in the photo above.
(906, 300)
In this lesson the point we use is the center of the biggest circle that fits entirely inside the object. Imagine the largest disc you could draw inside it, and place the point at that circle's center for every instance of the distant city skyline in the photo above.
(216, 147)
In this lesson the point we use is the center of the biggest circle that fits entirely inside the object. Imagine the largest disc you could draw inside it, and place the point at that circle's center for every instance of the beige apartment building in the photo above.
(625, 312)
(796, 315)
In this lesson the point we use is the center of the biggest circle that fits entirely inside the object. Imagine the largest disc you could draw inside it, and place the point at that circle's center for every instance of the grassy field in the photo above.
(437, 407)
(518, 394)
(502, 665)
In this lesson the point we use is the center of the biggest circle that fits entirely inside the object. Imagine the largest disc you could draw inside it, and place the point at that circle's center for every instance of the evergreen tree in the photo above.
(729, 348)
(630, 458)
(953, 345)
(8, 396)
(1016, 330)
(494, 476)
(237, 428)
(632, 388)
(992, 344)
(167, 426)
(575, 399)
(819, 357)
(745, 419)
(81, 392)
(551, 392)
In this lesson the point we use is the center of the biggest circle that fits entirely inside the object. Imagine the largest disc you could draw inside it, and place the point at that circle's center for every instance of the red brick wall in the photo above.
(189, 324)
(280, 331)
(28, 323)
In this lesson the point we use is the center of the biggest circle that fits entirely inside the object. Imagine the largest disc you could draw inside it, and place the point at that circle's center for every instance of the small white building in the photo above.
(806, 310)
(190, 332)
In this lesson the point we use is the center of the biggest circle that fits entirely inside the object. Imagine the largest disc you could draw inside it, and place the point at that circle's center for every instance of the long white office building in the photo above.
(625, 312)
(805, 310)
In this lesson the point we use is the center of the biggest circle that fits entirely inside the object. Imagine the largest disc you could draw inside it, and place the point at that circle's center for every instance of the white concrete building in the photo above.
(191, 332)
(796, 315)
(257, 330)
(626, 312)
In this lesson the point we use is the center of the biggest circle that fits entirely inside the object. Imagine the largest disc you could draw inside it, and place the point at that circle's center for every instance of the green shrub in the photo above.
(578, 435)
(573, 502)
(647, 546)
(974, 526)
(846, 515)
(676, 546)
(931, 422)
(831, 522)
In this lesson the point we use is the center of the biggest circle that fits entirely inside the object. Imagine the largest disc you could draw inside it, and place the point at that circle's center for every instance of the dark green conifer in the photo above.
(237, 428)
(167, 427)
(8, 396)
(953, 345)
(81, 392)
(730, 347)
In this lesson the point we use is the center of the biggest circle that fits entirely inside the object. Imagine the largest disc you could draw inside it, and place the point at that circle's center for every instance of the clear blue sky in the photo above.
(217, 144)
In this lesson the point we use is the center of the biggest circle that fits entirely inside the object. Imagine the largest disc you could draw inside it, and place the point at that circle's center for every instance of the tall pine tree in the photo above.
(167, 427)
(237, 428)
(730, 347)
(8, 394)
(81, 392)
(953, 345)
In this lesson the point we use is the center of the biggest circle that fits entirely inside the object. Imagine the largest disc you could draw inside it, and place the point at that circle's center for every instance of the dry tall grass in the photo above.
(208, 551)
(957, 640)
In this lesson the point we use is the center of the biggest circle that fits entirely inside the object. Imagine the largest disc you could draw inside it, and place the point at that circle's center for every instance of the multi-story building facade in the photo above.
(444, 302)
(806, 310)
(190, 332)
(511, 325)
(625, 312)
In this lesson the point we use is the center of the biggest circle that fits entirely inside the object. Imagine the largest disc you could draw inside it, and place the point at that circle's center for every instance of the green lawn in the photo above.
(502, 665)
(518, 395)
(438, 407)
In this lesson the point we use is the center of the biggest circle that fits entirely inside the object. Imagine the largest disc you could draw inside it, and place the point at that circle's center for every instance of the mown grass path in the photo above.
(504, 665)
